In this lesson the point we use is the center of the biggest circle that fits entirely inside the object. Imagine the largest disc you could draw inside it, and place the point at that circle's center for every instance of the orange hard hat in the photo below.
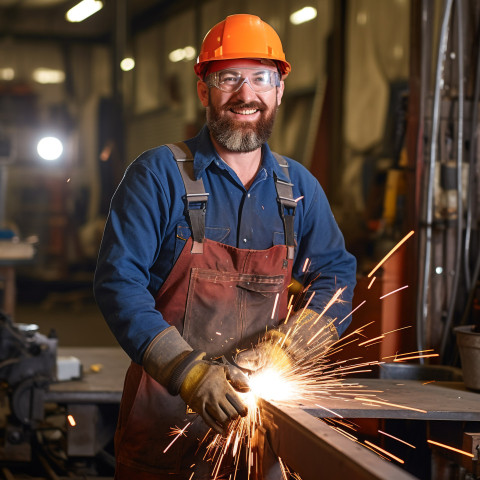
(241, 36)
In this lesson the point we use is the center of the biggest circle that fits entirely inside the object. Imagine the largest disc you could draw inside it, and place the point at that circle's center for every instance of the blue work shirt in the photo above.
(146, 230)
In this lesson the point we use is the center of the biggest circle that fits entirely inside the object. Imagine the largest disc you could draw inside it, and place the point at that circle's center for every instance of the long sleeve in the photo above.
(132, 240)
(322, 262)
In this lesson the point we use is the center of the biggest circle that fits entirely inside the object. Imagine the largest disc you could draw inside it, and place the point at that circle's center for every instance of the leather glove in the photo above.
(304, 338)
(271, 351)
(202, 384)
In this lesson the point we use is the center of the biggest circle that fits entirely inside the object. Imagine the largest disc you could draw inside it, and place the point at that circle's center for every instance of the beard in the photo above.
(238, 136)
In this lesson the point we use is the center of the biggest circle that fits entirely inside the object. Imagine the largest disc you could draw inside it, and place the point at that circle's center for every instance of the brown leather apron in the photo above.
(219, 298)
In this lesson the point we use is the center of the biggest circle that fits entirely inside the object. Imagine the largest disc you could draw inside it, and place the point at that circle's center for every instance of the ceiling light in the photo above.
(7, 73)
(50, 148)
(186, 53)
(127, 64)
(83, 10)
(303, 15)
(48, 76)
(190, 52)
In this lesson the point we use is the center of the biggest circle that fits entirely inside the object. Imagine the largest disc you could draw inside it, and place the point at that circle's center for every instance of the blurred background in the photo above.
(357, 111)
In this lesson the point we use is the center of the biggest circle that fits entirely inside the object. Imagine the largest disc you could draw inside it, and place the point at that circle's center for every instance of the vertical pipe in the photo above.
(442, 48)
(459, 237)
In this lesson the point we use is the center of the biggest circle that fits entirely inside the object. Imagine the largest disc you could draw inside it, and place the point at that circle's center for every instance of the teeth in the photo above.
(245, 112)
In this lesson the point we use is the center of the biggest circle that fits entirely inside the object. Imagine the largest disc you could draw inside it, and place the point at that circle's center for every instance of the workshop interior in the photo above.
(382, 106)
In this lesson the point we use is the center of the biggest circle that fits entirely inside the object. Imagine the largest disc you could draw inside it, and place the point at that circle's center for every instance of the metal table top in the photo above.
(407, 399)
(104, 371)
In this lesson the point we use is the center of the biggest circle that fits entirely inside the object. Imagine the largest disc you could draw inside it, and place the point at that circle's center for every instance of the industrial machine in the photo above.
(41, 398)
(27, 367)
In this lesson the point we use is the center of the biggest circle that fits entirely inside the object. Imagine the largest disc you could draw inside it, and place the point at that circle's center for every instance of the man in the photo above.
(198, 252)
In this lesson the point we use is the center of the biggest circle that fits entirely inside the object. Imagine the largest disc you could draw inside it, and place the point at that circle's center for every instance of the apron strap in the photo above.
(197, 198)
(195, 193)
(287, 205)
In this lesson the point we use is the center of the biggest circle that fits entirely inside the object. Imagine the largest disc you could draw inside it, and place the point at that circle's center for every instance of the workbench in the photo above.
(439, 400)
(418, 412)
(104, 370)
(439, 405)
(92, 402)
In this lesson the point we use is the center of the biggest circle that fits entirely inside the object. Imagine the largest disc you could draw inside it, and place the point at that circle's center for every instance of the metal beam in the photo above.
(314, 450)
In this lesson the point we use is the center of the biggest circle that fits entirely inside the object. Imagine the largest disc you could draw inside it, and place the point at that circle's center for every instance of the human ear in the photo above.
(202, 91)
(280, 92)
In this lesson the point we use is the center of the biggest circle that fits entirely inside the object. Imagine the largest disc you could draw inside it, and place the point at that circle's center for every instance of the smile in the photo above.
(249, 111)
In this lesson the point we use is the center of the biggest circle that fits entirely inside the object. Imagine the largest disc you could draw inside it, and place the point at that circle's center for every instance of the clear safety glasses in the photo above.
(231, 80)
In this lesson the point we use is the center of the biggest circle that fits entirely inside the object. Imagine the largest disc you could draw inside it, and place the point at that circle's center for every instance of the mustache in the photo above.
(249, 105)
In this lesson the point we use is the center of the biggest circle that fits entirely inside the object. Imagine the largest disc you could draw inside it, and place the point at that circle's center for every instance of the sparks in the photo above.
(388, 404)
(293, 375)
(463, 452)
(178, 433)
(390, 253)
(414, 357)
(305, 265)
(352, 312)
(399, 355)
(394, 291)
(384, 451)
(397, 439)
(380, 337)
(275, 305)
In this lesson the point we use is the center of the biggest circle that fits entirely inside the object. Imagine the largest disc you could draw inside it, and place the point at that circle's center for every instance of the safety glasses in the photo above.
(231, 80)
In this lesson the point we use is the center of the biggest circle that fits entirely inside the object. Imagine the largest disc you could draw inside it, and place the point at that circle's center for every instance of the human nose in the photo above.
(245, 90)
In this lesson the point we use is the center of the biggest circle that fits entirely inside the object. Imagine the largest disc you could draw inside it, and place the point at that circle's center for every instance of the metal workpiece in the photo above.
(315, 451)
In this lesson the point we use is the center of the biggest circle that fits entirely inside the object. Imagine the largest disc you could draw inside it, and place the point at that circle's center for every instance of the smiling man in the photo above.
(201, 242)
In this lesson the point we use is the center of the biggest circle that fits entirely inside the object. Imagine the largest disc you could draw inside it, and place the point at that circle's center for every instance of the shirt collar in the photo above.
(205, 154)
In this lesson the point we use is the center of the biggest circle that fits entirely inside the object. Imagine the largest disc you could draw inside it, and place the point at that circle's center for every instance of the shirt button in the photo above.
(244, 240)
(248, 195)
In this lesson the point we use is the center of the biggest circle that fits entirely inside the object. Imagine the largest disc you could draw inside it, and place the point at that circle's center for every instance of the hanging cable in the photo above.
(458, 244)
(422, 304)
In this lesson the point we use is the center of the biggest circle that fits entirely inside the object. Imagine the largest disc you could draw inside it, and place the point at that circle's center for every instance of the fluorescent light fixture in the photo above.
(127, 64)
(83, 10)
(303, 15)
(7, 73)
(50, 148)
(48, 76)
(187, 53)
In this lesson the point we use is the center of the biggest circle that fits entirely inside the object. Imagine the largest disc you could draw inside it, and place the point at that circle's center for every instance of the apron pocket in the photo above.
(260, 302)
(225, 307)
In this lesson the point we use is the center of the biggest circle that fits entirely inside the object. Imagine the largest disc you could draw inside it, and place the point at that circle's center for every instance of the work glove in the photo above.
(304, 338)
(208, 387)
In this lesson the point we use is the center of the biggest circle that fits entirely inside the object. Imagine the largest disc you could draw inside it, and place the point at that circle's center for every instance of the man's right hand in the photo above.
(207, 387)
